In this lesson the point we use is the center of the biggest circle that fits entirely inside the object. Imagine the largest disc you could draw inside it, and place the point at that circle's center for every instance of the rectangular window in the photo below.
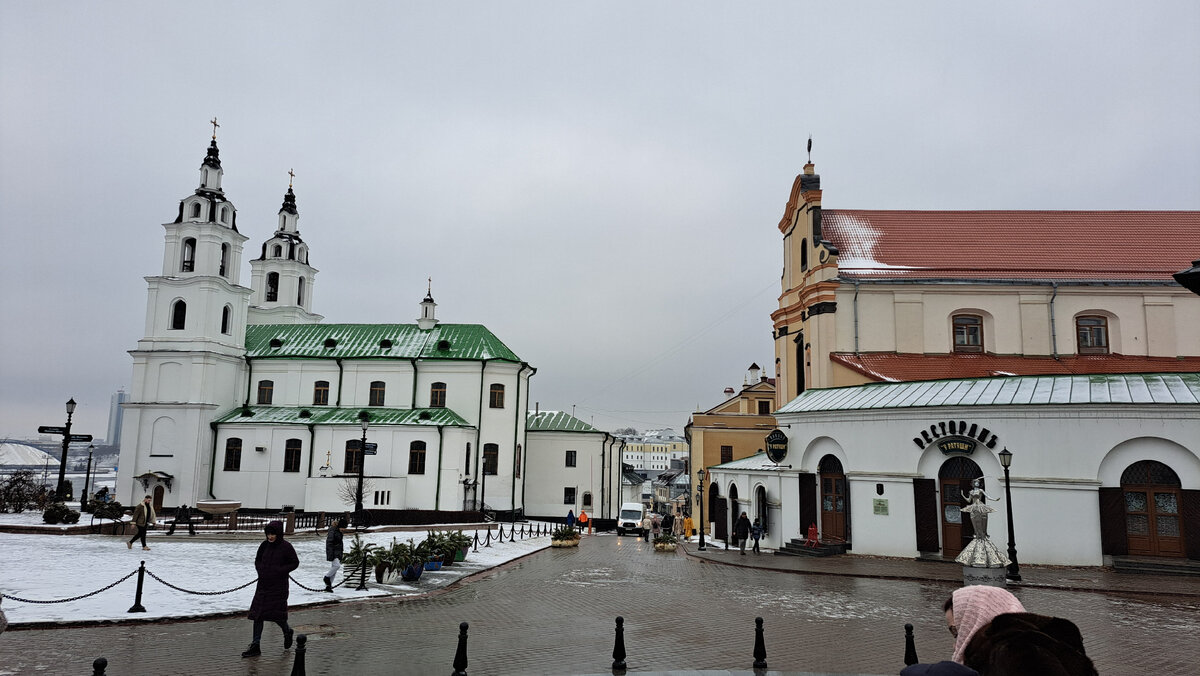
(1093, 335)
(383, 498)
(353, 457)
(570, 458)
(233, 454)
(321, 393)
(968, 333)
(467, 461)
(517, 463)
(416, 457)
(291, 456)
(265, 391)
(377, 388)
(726, 454)
(497, 397)
(491, 459)
(764, 407)
(569, 495)
(437, 395)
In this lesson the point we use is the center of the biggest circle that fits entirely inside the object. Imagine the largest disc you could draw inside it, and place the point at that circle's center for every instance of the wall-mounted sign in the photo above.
(777, 446)
(955, 436)
(880, 506)
(956, 445)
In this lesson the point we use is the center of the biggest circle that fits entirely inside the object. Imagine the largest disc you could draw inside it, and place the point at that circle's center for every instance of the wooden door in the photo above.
(157, 501)
(1152, 520)
(954, 479)
(833, 506)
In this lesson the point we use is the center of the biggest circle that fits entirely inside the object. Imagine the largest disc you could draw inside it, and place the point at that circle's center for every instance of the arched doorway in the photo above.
(159, 492)
(1152, 520)
(735, 507)
(955, 478)
(760, 507)
(716, 514)
(834, 498)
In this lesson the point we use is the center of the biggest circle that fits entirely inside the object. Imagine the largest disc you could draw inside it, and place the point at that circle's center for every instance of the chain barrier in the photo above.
(73, 598)
(200, 593)
(311, 589)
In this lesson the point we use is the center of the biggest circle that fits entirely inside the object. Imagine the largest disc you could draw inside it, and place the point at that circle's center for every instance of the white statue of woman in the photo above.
(977, 508)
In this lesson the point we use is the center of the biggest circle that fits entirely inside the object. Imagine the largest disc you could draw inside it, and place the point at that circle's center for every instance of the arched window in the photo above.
(226, 319)
(377, 390)
(189, 255)
(233, 454)
(272, 286)
(968, 333)
(321, 393)
(437, 395)
(804, 254)
(266, 390)
(291, 456)
(497, 396)
(196, 210)
(587, 499)
(224, 260)
(178, 315)
(1092, 333)
(416, 457)
(491, 459)
(277, 252)
(224, 214)
(300, 292)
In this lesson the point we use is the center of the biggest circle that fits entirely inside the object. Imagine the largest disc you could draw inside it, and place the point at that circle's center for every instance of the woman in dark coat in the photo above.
(275, 559)
(741, 531)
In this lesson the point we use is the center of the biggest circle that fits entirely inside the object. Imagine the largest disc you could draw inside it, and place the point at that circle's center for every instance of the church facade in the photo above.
(242, 393)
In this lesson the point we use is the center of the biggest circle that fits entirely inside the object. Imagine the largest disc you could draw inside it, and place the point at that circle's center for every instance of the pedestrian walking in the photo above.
(570, 518)
(689, 526)
(274, 560)
(143, 517)
(647, 524)
(182, 515)
(668, 523)
(756, 532)
(656, 526)
(971, 608)
(741, 531)
(584, 522)
(333, 551)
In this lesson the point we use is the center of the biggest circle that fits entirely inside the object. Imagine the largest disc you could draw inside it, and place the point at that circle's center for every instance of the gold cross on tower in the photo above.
(291, 176)
(213, 122)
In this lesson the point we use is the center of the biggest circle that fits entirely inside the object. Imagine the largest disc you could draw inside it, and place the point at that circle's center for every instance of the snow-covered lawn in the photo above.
(45, 567)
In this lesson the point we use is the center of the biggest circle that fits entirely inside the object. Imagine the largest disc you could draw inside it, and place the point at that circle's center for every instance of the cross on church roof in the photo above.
(291, 176)
(213, 122)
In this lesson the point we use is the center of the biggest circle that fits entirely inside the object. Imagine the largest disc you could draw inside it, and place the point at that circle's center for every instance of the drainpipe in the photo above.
(856, 317)
(1053, 331)
(341, 372)
(478, 430)
(603, 474)
(437, 496)
(249, 379)
(412, 402)
(312, 439)
(212, 466)
(518, 421)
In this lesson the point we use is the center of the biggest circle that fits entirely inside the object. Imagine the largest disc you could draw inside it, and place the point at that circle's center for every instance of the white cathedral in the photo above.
(243, 394)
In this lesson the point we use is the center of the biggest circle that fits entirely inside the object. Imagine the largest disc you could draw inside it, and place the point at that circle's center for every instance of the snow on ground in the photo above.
(44, 567)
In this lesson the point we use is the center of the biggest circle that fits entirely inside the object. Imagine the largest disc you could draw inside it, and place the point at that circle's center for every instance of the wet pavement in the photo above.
(553, 613)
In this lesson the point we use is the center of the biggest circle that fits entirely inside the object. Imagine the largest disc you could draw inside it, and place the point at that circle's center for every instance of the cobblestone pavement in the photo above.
(553, 613)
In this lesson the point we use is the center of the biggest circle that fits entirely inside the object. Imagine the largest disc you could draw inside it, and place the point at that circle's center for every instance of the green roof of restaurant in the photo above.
(325, 415)
(555, 421)
(375, 341)
(1107, 388)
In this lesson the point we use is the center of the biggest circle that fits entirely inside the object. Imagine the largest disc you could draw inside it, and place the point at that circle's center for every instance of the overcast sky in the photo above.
(598, 183)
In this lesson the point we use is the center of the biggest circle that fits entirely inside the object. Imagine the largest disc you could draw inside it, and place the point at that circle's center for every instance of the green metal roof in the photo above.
(1117, 388)
(324, 415)
(555, 421)
(367, 341)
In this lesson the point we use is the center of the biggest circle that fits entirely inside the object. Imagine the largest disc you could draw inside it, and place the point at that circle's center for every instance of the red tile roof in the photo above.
(1056, 245)
(892, 367)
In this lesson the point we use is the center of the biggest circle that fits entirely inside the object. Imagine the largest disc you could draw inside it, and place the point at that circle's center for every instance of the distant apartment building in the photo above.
(116, 414)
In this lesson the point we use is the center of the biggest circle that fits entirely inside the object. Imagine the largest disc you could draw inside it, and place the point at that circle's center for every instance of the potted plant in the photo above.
(360, 554)
(458, 546)
(665, 543)
(565, 536)
(409, 559)
(431, 549)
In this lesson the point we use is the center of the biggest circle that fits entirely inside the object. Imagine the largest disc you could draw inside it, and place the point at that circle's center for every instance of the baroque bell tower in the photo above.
(281, 277)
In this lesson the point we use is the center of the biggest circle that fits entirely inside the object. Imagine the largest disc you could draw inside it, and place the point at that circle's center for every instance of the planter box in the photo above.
(461, 555)
(664, 547)
(433, 565)
(564, 543)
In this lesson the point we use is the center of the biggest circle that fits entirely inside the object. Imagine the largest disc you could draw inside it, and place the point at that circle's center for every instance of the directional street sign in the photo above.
(371, 448)
(81, 437)
(52, 430)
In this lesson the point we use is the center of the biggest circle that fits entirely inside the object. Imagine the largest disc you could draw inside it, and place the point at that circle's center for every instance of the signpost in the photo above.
(61, 492)
(370, 448)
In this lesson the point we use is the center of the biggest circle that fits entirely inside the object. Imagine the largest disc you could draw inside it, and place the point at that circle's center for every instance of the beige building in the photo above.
(893, 296)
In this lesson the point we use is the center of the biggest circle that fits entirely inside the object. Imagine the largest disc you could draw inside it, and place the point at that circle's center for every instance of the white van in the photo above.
(630, 519)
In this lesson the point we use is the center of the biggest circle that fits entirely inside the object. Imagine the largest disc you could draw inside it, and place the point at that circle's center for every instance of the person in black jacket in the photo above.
(333, 551)
(741, 531)
(1027, 643)
(274, 560)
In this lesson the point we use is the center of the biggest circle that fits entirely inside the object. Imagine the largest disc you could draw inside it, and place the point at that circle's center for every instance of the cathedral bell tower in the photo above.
(189, 365)
(281, 277)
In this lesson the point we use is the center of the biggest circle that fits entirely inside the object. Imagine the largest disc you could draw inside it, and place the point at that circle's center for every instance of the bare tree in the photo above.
(347, 491)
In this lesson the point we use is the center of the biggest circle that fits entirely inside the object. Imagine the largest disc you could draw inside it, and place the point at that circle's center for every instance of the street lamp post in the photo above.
(87, 478)
(700, 501)
(1014, 570)
(60, 493)
(364, 419)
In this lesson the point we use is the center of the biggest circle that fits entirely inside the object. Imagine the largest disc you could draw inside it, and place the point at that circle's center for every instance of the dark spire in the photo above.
(289, 202)
(213, 158)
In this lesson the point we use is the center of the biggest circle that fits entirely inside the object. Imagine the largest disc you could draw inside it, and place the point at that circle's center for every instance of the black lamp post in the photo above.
(700, 501)
(364, 419)
(87, 478)
(61, 492)
(1014, 570)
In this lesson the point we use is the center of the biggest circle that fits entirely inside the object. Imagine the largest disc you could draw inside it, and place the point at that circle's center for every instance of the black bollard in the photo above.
(98, 666)
(618, 665)
(760, 645)
(298, 664)
(460, 655)
(137, 599)
(476, 542)
(910, 646)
